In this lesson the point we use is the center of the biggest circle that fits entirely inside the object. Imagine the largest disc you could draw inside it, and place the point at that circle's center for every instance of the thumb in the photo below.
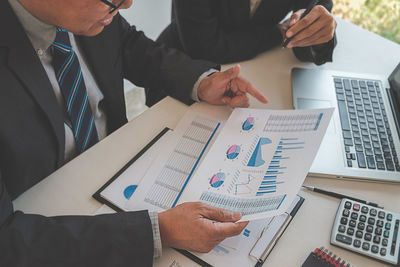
(231, 73)
(221, 215)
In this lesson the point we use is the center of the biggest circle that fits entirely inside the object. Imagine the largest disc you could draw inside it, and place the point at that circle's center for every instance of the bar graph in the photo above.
(175, 174)
(293, 123)
(276, 168)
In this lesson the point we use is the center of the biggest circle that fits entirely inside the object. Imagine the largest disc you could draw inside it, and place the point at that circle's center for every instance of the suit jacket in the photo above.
(32, 143)
(222, 30)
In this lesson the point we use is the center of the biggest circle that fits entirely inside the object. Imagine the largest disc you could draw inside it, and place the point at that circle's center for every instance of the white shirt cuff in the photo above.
(156, 234)
(195, 96)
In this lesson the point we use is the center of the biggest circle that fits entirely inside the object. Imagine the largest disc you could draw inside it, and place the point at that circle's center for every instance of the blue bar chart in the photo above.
(276, 168)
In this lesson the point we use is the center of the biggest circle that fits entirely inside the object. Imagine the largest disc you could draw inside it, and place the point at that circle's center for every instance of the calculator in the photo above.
(367, 230)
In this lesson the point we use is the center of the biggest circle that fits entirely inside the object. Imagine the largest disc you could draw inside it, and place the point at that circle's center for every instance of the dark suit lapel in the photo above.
(25, 64)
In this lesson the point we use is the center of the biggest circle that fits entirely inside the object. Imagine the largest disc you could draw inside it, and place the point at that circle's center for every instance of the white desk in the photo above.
(69, 190)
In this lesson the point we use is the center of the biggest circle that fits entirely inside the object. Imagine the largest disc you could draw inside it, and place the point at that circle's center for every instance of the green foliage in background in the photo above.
(378, 16)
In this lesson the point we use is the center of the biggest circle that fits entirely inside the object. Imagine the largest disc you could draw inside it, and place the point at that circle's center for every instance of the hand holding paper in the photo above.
(195, 226)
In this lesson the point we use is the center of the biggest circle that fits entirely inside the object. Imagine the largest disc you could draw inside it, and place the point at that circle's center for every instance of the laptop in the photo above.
(362, 140)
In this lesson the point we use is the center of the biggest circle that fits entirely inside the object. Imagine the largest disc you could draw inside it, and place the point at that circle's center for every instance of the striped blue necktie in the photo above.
(69, 76)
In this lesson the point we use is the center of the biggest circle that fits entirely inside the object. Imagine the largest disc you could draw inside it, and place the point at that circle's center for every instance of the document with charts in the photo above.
(259, 161)
(255, 162)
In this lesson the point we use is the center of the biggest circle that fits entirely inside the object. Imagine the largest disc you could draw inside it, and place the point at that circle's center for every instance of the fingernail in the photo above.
(289, 34)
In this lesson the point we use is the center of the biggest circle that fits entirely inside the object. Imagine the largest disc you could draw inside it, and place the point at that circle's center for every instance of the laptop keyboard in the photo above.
(368, 140)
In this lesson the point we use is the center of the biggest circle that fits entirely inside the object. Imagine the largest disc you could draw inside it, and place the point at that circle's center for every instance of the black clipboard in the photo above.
(98, 196)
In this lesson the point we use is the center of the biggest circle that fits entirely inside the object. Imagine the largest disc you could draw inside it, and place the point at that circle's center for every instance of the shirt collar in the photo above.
(42, 35)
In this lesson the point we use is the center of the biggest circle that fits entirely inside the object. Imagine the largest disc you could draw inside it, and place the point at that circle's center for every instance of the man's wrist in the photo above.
(195, 90)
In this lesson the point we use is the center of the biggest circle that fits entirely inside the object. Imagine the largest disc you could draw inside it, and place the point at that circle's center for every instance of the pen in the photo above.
(310, 6)
(340, 196)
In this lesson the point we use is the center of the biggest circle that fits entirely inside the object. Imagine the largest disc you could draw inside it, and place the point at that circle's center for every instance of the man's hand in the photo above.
(198, 227)
(317, 27)
(228, 88)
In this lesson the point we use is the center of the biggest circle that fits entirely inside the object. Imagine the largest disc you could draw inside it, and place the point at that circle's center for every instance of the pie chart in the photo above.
(248, 124)
(129, 190)
(217, 179)
(233, 152)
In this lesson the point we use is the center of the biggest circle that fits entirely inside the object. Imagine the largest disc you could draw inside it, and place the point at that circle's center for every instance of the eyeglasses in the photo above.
(113, 5)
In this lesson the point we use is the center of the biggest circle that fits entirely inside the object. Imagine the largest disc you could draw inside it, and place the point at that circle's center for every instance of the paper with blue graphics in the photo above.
(259, 161)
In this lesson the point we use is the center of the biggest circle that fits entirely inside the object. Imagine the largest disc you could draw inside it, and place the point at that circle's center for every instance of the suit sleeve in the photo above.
(107, 240)
(323, 53)
(153, 65)
(202, 36)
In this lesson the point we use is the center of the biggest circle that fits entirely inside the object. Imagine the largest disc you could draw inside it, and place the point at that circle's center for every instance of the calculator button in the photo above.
(365, 246)
(378, 231)
(352, 223)
(354, 215)
(381, 214)
(359, 234)
(350, 231)
(372, 212)
(383, 251)
(347, 205)
(342, 228)
(375, 249)
(379, 223)
(356, 207)
(370, 229)
(364, 209)
(368, 237)
(357, 243)
(388, 226)
(377, 239)
(343, 221)
(371, 221)
(361, 226)
(363, 218)
(389, 217)
(386, 234)
(344, 239)
(384, 242)
(346, 213)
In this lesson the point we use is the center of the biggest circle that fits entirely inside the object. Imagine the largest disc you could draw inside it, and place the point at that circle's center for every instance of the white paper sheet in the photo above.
(259, 161)
(170, 172)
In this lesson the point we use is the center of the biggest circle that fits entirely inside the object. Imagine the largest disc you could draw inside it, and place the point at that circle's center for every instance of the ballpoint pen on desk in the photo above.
(310, 6)
(340, 196)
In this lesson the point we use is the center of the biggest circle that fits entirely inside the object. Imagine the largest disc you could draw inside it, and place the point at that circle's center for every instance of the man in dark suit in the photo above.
(228, 31)
(61, 91)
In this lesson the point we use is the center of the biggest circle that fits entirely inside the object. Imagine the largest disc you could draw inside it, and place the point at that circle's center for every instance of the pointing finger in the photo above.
(246, 86)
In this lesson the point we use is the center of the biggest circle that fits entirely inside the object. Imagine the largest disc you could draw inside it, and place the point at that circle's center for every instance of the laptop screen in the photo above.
(394, 80)
(394, 92)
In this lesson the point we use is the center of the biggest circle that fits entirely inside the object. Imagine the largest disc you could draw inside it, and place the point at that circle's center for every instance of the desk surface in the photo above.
(69, 190)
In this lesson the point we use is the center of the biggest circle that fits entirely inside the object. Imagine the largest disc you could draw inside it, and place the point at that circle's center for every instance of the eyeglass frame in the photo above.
(112, 5)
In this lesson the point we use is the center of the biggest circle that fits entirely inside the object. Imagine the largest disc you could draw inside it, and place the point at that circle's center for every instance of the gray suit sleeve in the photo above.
(106, 240)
